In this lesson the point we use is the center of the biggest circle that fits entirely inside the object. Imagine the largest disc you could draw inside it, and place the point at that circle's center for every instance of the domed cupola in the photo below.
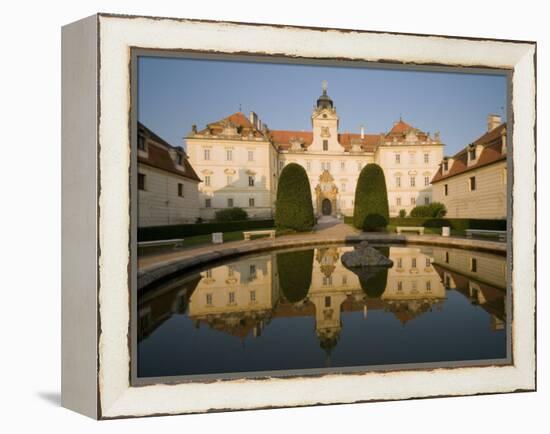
(324, 100)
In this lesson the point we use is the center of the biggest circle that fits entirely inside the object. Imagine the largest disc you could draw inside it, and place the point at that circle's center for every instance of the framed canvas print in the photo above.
(261, 216)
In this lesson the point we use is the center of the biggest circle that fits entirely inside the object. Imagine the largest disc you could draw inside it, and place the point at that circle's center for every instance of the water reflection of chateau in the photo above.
(480, 277)
(241, 298)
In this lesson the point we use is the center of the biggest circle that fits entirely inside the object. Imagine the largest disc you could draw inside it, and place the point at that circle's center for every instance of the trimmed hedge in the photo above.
(294, 270)
(371, 210)
(231, 215)
(154, 233)
(294, 207)
(434, 210)
(453, 223)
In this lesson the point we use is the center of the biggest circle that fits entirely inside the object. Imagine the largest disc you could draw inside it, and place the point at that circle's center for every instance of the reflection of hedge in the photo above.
(294, 269)
(294, 207)
(188, 230)
(371, 210)
(375, 285)
(453, 223)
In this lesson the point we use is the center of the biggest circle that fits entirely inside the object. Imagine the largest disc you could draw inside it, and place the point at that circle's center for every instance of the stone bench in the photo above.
(418, 229)
(248, 234)
(175, 242)
(500, 234)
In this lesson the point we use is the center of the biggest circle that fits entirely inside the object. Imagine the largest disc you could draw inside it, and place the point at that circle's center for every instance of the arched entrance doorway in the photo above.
(327, 207)
(326, 194)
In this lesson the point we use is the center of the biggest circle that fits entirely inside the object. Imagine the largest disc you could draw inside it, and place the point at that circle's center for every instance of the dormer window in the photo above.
(179, 159)
(445, 165)
(141, 143)
(472, 154)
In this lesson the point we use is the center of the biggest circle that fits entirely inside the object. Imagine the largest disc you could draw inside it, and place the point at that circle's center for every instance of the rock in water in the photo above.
(365, 256)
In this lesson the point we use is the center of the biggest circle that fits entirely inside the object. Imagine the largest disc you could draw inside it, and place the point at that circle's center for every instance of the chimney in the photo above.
(253, 117)
(362, 131)
(493, 121)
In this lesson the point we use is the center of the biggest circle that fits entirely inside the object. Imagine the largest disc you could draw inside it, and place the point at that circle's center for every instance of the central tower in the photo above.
(325, 121)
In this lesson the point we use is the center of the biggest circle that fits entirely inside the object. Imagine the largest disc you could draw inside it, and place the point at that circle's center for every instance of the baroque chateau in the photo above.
(239, 160)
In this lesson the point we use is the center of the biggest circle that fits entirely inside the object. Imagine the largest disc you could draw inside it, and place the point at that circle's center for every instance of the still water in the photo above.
(304, 309)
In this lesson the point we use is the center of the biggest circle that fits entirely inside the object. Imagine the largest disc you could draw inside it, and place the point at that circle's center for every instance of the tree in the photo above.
(294, 270)
(371, 211)
(402, 213)
(294, 207)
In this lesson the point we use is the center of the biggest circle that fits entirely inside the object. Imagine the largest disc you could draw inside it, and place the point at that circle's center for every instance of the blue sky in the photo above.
(174, 93)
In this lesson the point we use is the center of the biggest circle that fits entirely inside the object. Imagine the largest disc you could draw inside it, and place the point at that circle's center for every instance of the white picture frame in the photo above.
(96, 212)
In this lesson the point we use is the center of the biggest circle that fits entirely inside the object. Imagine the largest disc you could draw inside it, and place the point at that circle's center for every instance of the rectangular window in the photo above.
(399, 262)
(343, 188)
(208, 203)
(230, 202)
(473, 154)
(447, 257)
(426, 200)
(209, 299)
(398, 181)
(229, 154)
(413, 262)
(413, 200)
(413, 181)
(399, 286)
(251, 202)
(252, 295)
(428, 262)
(397, 158)
(446, 187)
(426, 181)
(473, 183)
(428, 285)
(327, 301)
(342, 165)
(231, 297)
(207, 154)
(207, 180)
(141, 181)
(308, 166)
(398, 201)
(252, 270)
(473, 265)
(141, 143)
(179, 159)
(180, 190)
(325, 145)
(250, 155)
(426, 158)
(251, 181)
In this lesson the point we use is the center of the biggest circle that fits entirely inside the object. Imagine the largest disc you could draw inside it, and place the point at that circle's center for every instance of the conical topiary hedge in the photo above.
(294, 207)
(371, 210)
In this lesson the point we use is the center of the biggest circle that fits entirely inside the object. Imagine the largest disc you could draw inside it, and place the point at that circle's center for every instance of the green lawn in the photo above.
(197, 240)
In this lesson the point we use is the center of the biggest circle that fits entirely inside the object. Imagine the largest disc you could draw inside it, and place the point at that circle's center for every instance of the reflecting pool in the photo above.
(304, 309)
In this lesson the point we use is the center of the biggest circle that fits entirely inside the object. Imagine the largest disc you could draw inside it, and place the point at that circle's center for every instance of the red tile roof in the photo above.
(282, 138)
(158, 155)
(491, 153)
(400, 127)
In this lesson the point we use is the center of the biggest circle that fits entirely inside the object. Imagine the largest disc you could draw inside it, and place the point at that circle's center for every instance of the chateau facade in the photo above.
(167, 184)
(239, 160)
(473, 183)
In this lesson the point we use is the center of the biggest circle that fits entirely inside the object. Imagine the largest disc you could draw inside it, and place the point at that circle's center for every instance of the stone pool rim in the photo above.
(152, 274)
